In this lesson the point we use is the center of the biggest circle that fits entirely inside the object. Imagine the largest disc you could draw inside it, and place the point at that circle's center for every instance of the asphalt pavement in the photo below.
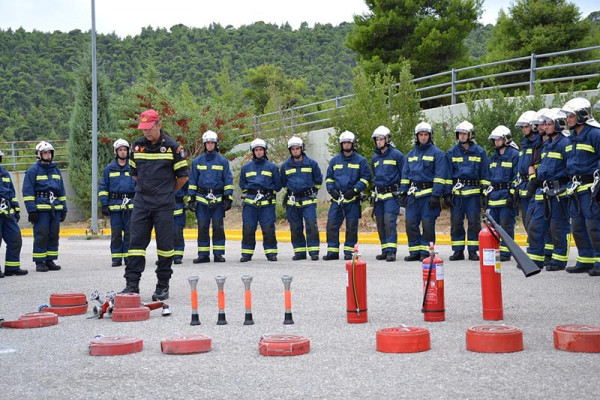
(54, 362)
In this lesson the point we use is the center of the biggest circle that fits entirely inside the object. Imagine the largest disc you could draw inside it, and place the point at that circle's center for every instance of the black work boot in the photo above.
(245, 258)
(331, 256)
(381, 256)
(52, 266)
(314, 257)
(1, 274)
(578, 269)
(162, 291)
(177, 261)
(201, 260)
(16, 271)
(299, 256)
(390, 256)
(473, 256)
(41, 267)
(131, 287)
(219, 258)
(116, 263)
(458, 255)
(413, 257)
(271, 257)
(422, 257)
(554, 267)
(592, 272)
(347, 256)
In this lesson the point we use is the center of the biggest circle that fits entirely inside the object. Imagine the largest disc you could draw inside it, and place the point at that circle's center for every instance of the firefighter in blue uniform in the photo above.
(423, 183)
(550, 213)
(116, 191)
(526, 172)
(179, 224)
(9, 228)
(260, 181)
(348, 175)
(469, 167)
(500, 194)
(159, 166)
(302, 178)
(46, 203)
(387, 164)
(210, 191)
(583, 157)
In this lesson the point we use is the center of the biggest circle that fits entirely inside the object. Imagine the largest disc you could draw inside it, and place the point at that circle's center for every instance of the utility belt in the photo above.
(304, 193)
(466, 182)
(556, 184)
(582, 179)
(49, 194)
(205, 192)
(121, 196)
(260, 196)
(387, 189)
(421, 185)
(500, 185)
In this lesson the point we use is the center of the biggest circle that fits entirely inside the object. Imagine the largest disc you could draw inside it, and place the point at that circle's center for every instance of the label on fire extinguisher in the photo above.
(489, 257)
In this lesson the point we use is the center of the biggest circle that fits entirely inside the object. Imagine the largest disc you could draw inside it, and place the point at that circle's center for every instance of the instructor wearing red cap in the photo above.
(159, 166)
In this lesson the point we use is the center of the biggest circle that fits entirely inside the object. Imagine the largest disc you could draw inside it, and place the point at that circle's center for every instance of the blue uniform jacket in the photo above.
(471, 164)
(7, 192)
(344, 173)
(425, 163)
(503, 169)
(260, 175)
(210, 171)
(116, 180)
(554, 159)
(41, 182)
(387, 169)
(583, 153)
(300, 176)
(526, 160)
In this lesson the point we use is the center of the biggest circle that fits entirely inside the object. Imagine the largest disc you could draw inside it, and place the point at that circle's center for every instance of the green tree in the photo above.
(80, 134)
(428, 33)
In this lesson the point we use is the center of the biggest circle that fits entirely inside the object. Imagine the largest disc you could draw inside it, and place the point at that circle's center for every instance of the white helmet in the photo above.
(120, 143)
(557, 116)
(258, 143)
(423, 127)
(295, 141)
(210, 136)
(581, 107)
(465, 127)
(538, 116)
(502, 132)
(527, 118)
(382, 132)
(347, 136)
(43, 146)
(1, 154)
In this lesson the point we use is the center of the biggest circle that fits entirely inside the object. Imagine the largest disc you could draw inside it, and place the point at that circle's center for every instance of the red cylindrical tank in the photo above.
(491, 277)
(433, 305)
(356, 290)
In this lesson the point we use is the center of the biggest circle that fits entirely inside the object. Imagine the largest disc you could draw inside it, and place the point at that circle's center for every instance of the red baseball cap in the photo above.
(147, 119)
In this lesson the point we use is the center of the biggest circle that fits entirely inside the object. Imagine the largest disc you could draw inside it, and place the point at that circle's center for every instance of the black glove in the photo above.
(402, 198)
(63, 216)
(227, 203)
(483, 201)
(510, 201)
(335, 194)
(105, 211)
(350, 194)
(532, 187)
(33, 217)
(447, 200)
(17, 216)
(434, 202)
(191, 205)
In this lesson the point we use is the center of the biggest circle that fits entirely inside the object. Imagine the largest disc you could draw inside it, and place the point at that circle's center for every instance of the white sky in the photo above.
(127, 17)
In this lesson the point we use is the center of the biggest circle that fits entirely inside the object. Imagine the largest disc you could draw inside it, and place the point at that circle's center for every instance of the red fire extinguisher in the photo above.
(356, 290)
(491, 277)
(433, 288)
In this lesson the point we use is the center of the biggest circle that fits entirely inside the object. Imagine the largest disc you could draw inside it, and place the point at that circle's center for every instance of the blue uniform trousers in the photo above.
(207, 215)
(470, 208)
(505, 216)
(45, 236)
(351, 212)
(11, 234)
(179, 224)
(386, 214)
(298, 217)
(557, 226)
(251, 217)
(585, 224)
(419, 212)
(119, 234)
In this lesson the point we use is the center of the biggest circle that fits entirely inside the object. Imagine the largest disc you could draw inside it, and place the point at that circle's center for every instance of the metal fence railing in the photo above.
(447, 87)
(19, 156)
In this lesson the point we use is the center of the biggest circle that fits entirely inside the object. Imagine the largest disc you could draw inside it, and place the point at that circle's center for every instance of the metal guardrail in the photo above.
(19, 156)
(452, 87)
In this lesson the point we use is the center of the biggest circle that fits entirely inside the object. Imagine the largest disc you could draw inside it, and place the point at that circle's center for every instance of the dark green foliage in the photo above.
(476, 41)
(80, 134)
